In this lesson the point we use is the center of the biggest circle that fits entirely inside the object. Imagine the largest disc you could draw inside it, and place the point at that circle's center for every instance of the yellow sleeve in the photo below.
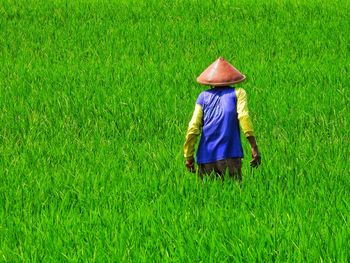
(194, 129)
(243, 112)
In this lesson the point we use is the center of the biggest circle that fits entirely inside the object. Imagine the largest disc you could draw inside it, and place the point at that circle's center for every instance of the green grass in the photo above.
(94, 105)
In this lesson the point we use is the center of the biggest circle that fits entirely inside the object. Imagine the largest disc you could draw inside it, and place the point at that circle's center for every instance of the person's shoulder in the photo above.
(203, 93)
(206, 91)
(204, 96)
(240, 93)
(200, 98)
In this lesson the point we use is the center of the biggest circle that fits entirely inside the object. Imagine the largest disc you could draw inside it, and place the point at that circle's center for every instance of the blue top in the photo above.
(220, 137)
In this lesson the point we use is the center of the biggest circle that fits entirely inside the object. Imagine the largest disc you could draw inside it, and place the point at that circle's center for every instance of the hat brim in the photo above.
(221, 84)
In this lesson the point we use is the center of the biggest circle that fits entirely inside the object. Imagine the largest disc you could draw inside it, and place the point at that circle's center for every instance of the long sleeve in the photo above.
(243, 113)
(193, 131)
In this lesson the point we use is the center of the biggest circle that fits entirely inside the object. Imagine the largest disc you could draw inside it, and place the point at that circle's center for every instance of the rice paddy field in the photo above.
(95, 99)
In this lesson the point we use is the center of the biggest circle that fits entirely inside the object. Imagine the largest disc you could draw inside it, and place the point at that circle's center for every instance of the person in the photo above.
(218, 113)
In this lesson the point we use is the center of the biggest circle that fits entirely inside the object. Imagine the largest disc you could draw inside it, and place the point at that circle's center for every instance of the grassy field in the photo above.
(95, 98)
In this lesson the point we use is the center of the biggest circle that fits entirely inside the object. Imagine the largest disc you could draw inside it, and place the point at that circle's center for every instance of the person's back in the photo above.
(220, 132)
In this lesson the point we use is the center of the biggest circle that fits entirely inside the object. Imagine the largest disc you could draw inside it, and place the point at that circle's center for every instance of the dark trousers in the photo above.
(233, 165)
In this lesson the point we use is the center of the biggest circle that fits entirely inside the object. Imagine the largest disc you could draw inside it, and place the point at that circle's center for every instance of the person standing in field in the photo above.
(217, 115)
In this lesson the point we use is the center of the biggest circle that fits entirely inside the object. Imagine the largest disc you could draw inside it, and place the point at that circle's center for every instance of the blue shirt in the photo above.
(220, 137)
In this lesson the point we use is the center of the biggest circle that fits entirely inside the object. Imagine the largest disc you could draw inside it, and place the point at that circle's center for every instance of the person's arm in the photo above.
(246, 125)
(193, 131)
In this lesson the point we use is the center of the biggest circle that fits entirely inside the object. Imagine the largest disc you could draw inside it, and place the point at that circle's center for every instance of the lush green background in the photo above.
(94, 105)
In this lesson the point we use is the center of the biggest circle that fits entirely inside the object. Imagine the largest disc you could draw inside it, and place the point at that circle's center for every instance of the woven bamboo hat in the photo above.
(220, 73)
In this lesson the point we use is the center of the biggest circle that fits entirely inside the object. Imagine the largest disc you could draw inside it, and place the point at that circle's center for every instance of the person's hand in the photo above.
(256, 158)
(189, 163)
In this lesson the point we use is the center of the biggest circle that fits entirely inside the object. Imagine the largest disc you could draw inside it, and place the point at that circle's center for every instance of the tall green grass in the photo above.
(94, 105)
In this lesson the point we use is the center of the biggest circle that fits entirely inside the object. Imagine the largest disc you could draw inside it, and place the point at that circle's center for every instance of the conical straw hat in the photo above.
(220, 73)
